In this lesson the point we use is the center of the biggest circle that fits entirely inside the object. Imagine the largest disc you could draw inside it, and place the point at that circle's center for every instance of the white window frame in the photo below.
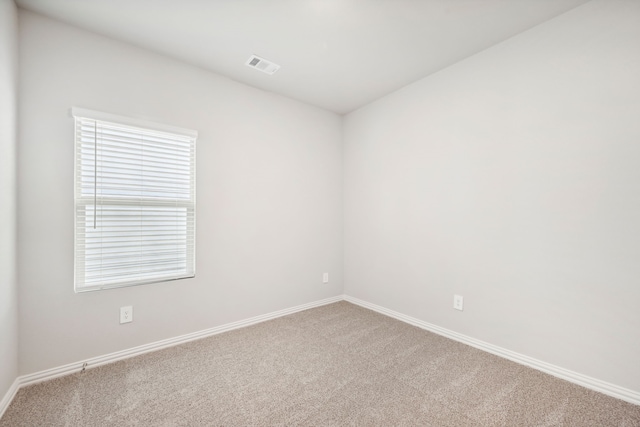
(151, 253)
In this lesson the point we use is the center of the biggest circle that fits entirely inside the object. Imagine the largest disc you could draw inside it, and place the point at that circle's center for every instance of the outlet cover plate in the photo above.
(126, 314)
(458, 302)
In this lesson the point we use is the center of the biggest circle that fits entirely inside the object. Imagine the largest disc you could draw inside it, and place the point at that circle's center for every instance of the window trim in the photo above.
(129, 121)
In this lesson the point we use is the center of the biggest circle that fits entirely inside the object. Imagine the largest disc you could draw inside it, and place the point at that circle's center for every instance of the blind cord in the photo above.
(95, 173)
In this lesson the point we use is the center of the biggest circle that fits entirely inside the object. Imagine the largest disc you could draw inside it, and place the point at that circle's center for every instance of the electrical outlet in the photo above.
(458, 302)
(126, 314)
(325, 278)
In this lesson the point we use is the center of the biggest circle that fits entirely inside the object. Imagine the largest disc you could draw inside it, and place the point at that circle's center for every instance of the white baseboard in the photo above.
(613, 390)
(8, 397)
(93, 362)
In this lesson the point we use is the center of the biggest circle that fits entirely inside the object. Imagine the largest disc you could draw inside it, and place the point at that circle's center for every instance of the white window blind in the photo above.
(135, 201)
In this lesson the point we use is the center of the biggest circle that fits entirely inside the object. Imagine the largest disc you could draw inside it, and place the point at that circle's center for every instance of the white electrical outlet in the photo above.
(458, 302)
(325, 278)
(126, 314)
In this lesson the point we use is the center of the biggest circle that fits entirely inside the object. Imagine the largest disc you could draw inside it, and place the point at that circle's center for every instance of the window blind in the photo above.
(134, 202)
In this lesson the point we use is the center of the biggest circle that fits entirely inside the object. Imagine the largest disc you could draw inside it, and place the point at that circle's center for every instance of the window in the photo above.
(135, 201)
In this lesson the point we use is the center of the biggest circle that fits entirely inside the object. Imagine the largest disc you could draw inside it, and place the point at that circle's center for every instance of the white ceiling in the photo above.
(336, 54)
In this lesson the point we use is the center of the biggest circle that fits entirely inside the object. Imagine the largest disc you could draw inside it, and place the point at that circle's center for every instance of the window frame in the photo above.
(144, 203)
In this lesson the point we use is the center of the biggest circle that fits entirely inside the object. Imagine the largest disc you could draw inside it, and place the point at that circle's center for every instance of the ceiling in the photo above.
(335, 54)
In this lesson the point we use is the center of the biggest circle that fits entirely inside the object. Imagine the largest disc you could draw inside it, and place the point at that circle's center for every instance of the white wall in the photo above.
(511, 178)
(269, 214)
(8, 122)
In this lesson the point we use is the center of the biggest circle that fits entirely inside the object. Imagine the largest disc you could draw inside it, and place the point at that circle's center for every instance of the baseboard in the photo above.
(93, 362)
(9, 395)
(613, 390)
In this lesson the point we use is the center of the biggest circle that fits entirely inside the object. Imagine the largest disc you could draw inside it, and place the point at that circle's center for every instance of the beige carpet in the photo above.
(338, 364)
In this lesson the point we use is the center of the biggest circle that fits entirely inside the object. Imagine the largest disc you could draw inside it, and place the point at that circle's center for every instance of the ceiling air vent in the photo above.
(262, 65)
